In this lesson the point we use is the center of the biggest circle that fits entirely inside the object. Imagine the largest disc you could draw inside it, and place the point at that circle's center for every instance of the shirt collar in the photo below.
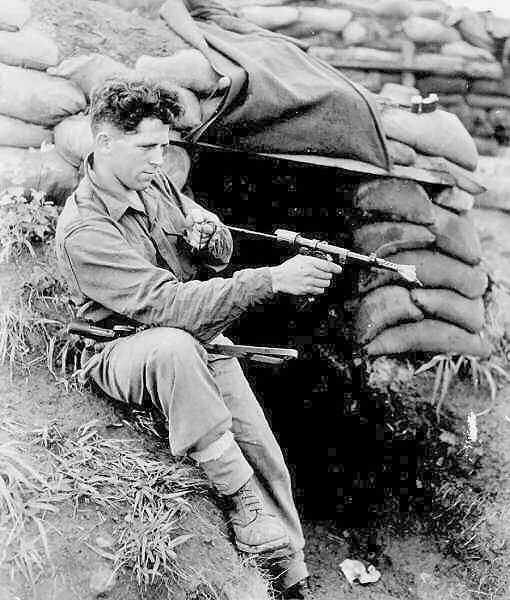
(117, 199)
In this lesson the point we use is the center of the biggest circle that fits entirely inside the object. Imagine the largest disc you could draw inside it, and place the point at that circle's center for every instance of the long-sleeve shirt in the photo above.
(124, 256)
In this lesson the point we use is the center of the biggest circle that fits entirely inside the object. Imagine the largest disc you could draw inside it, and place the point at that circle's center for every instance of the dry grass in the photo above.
(481, 373)
(24, 500)
(150, 492)
(478, 529)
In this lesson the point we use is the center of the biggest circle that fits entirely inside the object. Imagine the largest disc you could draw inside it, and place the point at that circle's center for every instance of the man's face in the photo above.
(134, 157)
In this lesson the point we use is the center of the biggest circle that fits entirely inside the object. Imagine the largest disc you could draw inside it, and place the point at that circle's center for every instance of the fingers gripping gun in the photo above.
(344, 256)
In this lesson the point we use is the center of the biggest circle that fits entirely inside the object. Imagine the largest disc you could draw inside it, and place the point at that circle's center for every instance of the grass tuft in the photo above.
(21, 488)
(149, 493)
(481, 372)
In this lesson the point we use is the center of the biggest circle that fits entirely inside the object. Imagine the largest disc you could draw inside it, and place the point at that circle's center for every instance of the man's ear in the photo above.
(103, 142)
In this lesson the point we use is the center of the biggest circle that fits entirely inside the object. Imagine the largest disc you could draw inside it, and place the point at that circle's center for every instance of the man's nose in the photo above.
(156, 156)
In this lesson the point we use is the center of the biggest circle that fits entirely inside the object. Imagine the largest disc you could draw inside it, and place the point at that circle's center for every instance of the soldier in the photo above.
(132, 248)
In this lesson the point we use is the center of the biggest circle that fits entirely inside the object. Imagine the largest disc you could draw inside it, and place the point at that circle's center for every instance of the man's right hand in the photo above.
(304, 275)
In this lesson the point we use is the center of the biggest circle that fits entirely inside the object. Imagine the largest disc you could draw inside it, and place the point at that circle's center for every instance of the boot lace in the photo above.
(250, 500)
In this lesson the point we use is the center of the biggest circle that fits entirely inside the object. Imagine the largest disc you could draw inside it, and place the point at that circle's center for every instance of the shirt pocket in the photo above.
(179, 253)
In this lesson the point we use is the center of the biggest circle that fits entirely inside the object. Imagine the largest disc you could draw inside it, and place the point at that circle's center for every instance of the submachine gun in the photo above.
(343, 255)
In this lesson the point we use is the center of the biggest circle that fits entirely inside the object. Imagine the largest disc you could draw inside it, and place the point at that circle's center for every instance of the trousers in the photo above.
(204, 397)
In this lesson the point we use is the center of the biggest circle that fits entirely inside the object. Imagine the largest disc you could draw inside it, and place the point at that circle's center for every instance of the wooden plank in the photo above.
(358, 166)
(428, 63)
(437, 176)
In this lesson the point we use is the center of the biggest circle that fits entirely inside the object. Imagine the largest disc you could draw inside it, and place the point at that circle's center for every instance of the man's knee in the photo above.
(168, 344)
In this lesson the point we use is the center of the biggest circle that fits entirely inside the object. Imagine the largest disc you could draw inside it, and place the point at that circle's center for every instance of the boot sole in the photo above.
(270, 546)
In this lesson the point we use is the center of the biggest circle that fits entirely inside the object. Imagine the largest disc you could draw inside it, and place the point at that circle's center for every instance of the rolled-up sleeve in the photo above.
(107, 270)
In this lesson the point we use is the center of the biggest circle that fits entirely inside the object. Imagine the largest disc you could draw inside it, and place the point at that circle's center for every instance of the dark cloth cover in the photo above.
(281, 99)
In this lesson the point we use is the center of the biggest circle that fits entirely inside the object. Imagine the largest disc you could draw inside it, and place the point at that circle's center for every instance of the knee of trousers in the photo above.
(169, 344)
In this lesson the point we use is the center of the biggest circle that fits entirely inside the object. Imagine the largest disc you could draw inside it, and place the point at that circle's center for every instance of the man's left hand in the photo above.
(201, 226)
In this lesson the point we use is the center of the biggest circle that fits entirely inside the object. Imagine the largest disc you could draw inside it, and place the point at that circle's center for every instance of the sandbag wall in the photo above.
(460, 55)
(44, 129)
(31, 104)
(434, 231)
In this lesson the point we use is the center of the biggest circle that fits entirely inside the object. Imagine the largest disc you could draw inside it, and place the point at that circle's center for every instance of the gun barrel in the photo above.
(407, 272)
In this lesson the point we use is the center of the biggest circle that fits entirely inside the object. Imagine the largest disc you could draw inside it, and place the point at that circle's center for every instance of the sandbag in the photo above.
(450, 306)
(390, 78)
(464, 113)
(456, 235)
(427, 31)
(43, 170)
(497, 27)
(488, 102)
(269, 17)
(466, 50)
(177, 164)
(401, 154)
(357, 54)
(192, 113)
(394, 199)
(477, 69)
(312, 19)
(487, 146)
(432, 9)
(435, 270)
(90, 70)
(450, 100)
(473, 29)
(466, 180)
(454, 199)
(491, 87)
(13, 14)
(36, 97)
(442, 85)
(187, 68)
(386, 237)
(27, 48)
(399, 93)
(17, 133)
(429, 336)
(438, 133)
(323, 38)
(384, 307)
(354, 33)
(73, 139)
(393, 9)
(482, 126)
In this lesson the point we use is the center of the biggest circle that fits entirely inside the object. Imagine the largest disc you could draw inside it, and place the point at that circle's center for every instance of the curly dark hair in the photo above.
(126, 102)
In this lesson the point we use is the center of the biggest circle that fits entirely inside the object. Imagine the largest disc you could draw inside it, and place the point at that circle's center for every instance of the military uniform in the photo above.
(125, 259)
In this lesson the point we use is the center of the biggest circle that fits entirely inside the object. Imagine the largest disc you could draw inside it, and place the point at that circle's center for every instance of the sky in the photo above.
(498, 7)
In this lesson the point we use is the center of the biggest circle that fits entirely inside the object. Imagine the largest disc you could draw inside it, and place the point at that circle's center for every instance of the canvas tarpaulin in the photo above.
(280, 99)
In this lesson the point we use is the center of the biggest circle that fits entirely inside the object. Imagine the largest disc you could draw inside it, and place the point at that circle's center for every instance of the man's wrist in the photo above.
(275, 279)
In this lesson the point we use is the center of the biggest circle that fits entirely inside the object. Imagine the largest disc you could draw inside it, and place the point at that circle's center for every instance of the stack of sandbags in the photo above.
(456, 54)
(401, 222)
(434, 141)
(48, 67)
(483, 106)
(32, 102)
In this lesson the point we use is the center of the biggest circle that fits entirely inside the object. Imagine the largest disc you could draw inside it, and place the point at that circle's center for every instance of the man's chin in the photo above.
(143, 183)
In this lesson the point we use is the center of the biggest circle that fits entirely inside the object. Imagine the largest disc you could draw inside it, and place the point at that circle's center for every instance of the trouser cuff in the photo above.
(230, 471)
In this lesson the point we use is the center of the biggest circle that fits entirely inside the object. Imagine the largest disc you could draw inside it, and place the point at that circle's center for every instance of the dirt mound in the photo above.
(82, 26)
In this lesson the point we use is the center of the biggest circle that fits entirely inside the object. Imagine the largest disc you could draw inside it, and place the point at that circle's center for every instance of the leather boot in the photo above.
(255, 530)
(299, 591)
